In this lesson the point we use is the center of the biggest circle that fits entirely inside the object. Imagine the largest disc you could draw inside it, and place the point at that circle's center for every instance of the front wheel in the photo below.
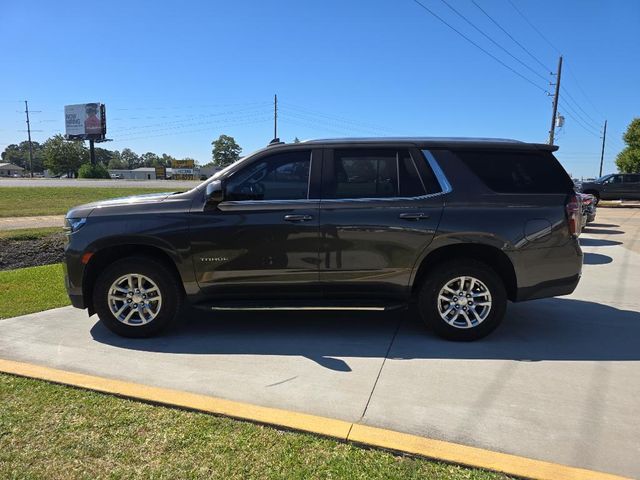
(137, 296)
(463, 300)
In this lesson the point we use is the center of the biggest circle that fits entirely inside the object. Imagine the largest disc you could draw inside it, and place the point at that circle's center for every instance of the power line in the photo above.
(534, 27)
(574, 102)
(558, 51)
(567, 111)
(511, 36)
(488, 37)
(480, 48)
(249, 111)
(208, 129)
(336, 118)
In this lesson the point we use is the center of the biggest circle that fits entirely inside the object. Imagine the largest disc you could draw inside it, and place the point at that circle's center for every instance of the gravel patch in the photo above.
(32, 253)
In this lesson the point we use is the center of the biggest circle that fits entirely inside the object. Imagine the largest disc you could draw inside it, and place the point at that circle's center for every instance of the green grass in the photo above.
(28, 290)
(52, 431)
(28, 233)
(30, 201)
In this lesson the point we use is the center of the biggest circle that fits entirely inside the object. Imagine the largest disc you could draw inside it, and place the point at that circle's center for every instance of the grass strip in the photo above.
(53, 431)
(32, 201)
(29, 290)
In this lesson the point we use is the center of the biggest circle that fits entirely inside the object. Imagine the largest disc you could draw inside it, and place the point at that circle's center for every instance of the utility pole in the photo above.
(552, 131)
(275, 117)
(604, 138)
(26, 111)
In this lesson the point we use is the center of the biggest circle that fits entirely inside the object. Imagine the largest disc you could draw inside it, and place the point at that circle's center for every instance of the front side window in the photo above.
(372, 173)
(282, 176)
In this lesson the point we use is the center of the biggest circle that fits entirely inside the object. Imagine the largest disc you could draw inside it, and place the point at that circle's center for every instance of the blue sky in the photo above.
(175, 75)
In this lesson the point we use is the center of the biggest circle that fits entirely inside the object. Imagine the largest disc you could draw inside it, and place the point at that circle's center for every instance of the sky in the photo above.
(176, 75)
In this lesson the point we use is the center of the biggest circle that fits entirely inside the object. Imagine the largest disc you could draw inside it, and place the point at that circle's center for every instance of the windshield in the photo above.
(603, 178)
(221, 173)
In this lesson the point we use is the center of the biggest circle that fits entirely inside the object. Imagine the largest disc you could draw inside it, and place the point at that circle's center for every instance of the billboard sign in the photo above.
(85, 121)
(161, 173)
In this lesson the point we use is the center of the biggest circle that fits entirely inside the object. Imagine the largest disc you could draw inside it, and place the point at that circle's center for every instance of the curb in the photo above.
(338, 429)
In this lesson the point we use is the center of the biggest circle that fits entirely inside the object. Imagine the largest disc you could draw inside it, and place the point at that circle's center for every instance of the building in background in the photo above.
(142, 173)
(10, 170)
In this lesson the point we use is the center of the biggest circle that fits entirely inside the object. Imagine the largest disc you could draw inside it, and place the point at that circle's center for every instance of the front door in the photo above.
(612, 188)
(262, 239)
(379, 210)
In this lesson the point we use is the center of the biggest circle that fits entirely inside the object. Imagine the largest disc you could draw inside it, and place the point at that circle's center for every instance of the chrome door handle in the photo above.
(414, 216)
(298, 218)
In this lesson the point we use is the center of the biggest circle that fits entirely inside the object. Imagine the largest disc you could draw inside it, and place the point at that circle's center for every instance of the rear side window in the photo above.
(632, 179)
(518, 172)
(372, 173)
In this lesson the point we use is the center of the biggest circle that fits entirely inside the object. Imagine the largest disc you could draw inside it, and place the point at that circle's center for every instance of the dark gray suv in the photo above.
(454, 226)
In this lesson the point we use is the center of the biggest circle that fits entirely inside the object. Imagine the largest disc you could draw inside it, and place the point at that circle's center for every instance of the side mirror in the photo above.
(214, 192)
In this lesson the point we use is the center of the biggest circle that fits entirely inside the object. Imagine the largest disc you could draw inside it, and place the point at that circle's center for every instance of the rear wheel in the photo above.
(137, 296)
(463, 300)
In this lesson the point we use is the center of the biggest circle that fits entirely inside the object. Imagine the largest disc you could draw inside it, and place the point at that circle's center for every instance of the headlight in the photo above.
(72, 225)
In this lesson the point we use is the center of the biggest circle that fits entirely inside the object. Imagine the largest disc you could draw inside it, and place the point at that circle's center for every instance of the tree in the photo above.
(103, 156)
(130, 158)
(628, 160)
(150, 159)
(296, 140)
(116, 162)
(225, 151)
(18, 154)
(167, 160)
(61, 156)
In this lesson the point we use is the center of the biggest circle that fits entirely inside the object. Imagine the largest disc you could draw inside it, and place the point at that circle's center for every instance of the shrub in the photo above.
(92, 171)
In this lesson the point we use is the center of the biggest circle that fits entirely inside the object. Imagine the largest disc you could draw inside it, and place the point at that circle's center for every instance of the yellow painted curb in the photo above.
(339, 429)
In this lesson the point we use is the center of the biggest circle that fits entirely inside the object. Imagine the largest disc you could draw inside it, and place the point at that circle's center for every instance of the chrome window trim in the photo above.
(437, 171)
(234, 205)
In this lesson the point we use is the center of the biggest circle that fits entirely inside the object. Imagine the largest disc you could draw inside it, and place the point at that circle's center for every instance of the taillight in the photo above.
(573, 214)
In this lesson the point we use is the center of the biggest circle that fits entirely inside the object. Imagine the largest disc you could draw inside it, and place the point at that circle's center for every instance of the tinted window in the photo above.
(518, 172)
(283, 176)
(373, 173)
(364, 174)
(410, 182)
(632, 179)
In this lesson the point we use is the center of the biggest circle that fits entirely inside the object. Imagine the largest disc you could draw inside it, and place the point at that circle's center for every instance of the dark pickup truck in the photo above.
(617, 186)
(456, 227)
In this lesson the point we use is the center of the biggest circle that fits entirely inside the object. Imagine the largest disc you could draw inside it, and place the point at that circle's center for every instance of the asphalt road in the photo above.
(558, 381)
(91, 183)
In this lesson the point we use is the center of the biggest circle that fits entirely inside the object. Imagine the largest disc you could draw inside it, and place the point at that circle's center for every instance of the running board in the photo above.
(311, 305)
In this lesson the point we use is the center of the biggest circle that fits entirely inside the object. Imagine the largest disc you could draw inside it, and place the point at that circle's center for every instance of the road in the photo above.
(558, 381)
(92, 183)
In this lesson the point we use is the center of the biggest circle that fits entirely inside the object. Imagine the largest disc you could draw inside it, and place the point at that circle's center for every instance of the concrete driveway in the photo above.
(558, 381)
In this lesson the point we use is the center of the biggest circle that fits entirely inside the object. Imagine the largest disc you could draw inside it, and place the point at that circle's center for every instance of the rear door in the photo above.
(379, 209)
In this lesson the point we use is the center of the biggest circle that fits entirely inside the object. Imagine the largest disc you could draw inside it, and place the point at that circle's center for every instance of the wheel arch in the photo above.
(105, 256)
(490, 255)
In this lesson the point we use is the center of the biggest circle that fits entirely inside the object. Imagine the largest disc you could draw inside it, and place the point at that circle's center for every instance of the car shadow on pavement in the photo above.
(601, 231)
(596, 259)
(550, 329)
(603, 225)
(598, 242)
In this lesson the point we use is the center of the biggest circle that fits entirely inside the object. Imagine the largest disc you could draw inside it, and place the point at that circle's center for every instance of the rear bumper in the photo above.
(551, 288)
(548, 272)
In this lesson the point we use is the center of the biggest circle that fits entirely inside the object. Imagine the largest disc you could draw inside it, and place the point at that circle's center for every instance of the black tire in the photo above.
(157, 271)
(442, 274)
